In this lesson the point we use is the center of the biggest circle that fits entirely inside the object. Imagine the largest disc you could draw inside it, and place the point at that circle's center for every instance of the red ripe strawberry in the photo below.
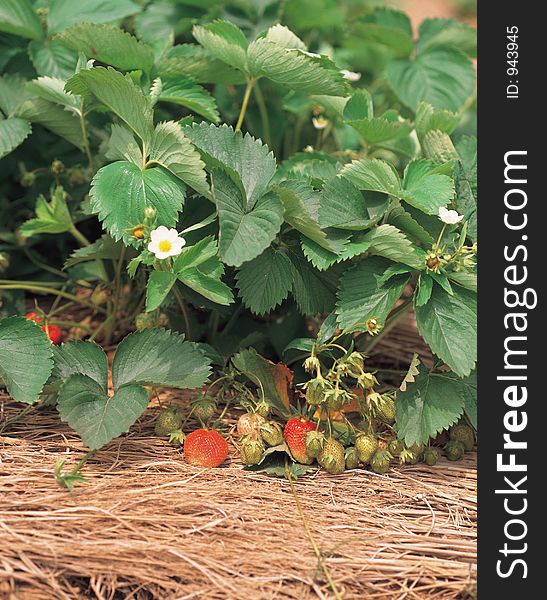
(54, 332)
(35, 316)
(205, 448)
(295, 436)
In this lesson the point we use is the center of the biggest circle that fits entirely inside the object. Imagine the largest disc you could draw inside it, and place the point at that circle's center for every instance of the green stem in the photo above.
(182, 306)
(69, 324)
(264, 117)
(101, 327)
(246, 97)
(117, 290)
(48, 290)
(85, 138)
(316, 549)
(17, 417)
(30, 255)
(79, 236)
(233, 319)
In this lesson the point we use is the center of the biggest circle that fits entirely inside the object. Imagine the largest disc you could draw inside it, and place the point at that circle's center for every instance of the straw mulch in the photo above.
(148, 526)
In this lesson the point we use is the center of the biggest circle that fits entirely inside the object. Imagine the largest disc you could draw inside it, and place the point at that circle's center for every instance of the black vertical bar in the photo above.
(512, 270)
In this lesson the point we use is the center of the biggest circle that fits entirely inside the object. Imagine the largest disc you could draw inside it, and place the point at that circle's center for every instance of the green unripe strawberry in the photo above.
(251, 451)
(315, 391)
(272, 433)
(380, 462)
(204, 407)
(57, 167)
(144, 321)
(315, 441)
(386, 410)
(464, 434)
(27, 179)
(431, 456)
(352, 459)
(411, 455)
(366, 445)
(4, 262)
(169, 420)
(100, 295)
(454, 450)
(263, 408)
(332, 457)
(396, 446)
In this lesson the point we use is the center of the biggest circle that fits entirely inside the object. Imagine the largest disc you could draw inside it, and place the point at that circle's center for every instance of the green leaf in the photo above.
(449, 325)
(18, 17)
(374, 175)
(103, 248)
(199, 64)
(225, 41)
(108, 44)
(295, 69)
(55, 118)
(199, 268)
(84, 358)
(119, 94)
(469, 387)
(404, 221)
(388, 27)
(13, 132)
(121, 191)
(360, 296)
(158, 287)
(425, 189)
(52, 59)
(13, 93)
(423, 290)
(172, 150)
(301, 204)
(465, 279)
(263, 373)
(430, 119)
(25, 358)
(64, 13)
(84, 405)
(343, 206)
(52, 89)
(245, 230)
(447, 33)
(265, 281)
(387, 241)
(122, 146)
(159, 357)
(239, 154)
(358, 113)
(431, 404)
(466, 199)
(51, 217)
(442, 77)
(180, 89)
(313, 291)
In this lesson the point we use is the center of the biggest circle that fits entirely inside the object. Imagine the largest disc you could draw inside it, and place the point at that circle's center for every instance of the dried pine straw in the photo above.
(148, 526)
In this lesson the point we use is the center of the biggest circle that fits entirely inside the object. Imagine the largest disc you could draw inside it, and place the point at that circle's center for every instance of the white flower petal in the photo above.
(350, 75)
(450, 217)
(159, 233)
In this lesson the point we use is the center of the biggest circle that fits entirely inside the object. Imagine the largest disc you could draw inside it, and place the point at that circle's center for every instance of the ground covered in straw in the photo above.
(149, 526)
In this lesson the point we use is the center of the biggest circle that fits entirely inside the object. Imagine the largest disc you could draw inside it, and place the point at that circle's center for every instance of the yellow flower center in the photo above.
(165, 246)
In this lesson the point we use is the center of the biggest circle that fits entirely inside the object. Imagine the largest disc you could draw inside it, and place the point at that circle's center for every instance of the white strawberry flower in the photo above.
(319, 122)
(450, 217)
(165, 242)
(350, 75)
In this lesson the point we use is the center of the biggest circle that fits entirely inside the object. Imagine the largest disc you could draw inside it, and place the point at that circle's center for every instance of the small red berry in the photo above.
(35, 316)
(205, 448)
(54, 333)
(295, 436)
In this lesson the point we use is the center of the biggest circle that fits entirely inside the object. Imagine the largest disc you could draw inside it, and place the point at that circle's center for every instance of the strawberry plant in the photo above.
(234, 180)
